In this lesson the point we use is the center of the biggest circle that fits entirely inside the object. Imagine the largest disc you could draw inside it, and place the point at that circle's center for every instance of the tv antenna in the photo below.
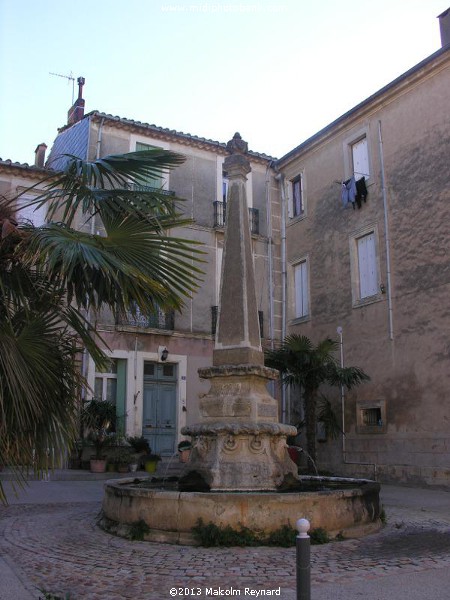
(69, 78)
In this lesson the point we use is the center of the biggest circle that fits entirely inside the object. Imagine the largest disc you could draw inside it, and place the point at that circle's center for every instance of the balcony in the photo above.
(158, 320)
(215, 314)
(148, 188)
(220, 217)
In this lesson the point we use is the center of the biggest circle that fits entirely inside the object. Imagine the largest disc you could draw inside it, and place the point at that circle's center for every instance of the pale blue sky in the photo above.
(277, 72)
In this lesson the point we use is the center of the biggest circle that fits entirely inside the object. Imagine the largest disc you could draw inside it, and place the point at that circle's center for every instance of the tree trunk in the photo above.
(310, 421)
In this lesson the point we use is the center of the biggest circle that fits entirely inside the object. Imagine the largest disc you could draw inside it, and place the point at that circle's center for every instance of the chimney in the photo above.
(444, 24)
(76, 112)
(39, 155)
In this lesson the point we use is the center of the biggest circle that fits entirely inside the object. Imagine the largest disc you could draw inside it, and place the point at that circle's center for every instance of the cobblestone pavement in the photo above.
(60, 548)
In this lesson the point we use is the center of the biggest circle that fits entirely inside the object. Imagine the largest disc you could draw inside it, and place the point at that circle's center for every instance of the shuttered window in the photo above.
(360, 157)
(367, 266)
(155, 182)
(301, 289)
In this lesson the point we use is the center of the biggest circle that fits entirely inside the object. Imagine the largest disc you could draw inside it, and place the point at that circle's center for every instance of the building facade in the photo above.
(367, 203)
(153, 375)
(350, 240)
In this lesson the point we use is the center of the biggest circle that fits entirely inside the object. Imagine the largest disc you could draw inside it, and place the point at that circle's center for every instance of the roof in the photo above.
(163, 132)
(28, 169)
(389, 88)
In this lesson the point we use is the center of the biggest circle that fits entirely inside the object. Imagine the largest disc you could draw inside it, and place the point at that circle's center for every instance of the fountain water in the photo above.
(239, 457)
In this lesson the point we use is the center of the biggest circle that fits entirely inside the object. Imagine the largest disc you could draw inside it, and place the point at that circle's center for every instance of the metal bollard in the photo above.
(303, 560)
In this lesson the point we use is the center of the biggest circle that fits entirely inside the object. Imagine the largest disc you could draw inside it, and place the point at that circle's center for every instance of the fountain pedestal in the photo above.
(238, 444)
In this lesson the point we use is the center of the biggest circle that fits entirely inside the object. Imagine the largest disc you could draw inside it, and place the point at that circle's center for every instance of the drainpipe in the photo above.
(270, 255)
(280, 178)
(339, 331)
(386, 229)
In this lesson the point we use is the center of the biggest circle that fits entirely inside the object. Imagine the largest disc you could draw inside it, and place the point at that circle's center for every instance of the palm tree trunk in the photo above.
(310, 421)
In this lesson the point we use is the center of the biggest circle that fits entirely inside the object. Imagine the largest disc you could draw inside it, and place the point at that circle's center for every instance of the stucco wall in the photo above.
(409, 373)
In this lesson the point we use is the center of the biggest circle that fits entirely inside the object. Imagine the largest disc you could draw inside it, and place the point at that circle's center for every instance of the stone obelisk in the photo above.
(239, 444)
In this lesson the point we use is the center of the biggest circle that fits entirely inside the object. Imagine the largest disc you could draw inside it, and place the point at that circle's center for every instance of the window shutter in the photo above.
(368, 280)
(360, 157)
(301, 290)
(155, 182)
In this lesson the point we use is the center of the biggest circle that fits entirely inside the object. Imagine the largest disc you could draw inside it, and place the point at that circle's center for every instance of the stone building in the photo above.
(17, 178)
(155, 358)
(350, 241)
(369, 264)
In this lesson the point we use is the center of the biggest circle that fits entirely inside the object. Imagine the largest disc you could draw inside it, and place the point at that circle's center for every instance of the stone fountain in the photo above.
(239, 444)
(239, 462)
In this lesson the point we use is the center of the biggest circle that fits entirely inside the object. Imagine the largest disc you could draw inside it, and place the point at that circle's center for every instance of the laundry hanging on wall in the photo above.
(353, 192)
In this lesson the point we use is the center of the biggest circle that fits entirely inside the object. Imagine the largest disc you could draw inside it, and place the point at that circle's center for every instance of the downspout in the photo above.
(270, 255)
(280, 178)
(387, 239)
(270, 264)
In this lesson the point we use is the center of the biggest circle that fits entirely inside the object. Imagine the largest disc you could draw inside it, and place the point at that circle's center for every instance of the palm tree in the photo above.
(53, 276)
(308, 367)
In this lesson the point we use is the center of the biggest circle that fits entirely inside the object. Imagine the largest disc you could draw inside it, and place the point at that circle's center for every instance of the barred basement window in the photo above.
(371, 417)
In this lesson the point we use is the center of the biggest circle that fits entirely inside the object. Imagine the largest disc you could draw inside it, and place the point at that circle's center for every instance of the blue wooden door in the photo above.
(159, 410)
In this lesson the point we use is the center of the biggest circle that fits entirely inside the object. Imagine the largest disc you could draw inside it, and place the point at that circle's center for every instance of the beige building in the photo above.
(367, 203)
(350, 241)
(155, 358)
(17, 178)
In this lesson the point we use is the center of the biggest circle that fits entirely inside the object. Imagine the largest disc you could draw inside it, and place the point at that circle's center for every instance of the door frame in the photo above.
(134, 405)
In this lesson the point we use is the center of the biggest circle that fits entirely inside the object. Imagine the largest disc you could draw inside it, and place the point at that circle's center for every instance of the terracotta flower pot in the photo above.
(98, 465)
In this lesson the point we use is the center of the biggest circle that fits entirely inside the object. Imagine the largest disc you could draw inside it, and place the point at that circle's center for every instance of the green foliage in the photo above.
(285, 537)
(327, 416)
(51, 277)
(50, 596)
(383, 516)
(184, 445)
(319, 536)
(307, 367)
(139, 444)
(99, 416)
(138, 530)
(211, 535)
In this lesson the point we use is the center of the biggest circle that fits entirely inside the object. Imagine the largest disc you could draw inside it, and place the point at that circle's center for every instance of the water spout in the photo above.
(169, 462)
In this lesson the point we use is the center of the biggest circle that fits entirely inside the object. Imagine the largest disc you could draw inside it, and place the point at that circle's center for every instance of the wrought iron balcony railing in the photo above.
(215, 314)
(220, 216)
(148, 188)
(158, 320)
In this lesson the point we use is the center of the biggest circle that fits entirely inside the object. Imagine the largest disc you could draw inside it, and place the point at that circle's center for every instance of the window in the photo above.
(157, 181)
(297, 207)
(225, 183)
(32, 214)
(105, 386)
(371, 417)
(360, 159)
(301, 290)
(367, 266)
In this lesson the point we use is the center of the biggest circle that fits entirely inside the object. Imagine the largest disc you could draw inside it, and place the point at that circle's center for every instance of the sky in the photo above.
(276, 71)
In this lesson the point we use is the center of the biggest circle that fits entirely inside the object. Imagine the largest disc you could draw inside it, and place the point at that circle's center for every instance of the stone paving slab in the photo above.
(59, 547)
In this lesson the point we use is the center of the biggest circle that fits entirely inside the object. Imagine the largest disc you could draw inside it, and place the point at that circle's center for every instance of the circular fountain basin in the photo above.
(349, 507)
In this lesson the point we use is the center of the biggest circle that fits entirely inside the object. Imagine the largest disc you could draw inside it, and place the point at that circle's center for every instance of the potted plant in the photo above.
(150, 461)
(122, 456)
(140, 446)
(99, 418)
(184, 448)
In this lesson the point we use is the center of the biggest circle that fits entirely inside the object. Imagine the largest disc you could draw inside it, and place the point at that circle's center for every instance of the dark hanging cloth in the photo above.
(348, 193)
(361, 192)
